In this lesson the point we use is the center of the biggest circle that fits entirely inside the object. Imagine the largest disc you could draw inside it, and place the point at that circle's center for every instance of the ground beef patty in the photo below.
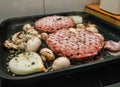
(53, 23)
(75, 43)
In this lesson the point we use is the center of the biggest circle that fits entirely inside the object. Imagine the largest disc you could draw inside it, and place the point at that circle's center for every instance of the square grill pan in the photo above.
(12, 25)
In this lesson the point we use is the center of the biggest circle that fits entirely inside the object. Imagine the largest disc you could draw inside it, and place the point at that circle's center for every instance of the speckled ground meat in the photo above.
(53, 23)
(79, 44)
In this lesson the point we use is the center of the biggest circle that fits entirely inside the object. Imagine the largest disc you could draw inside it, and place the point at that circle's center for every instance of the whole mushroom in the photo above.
(47, 54)
(26, 27)
(92, 28)
(44, 36)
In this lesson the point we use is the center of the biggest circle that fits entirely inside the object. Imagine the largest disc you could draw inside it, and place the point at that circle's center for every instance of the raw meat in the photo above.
(74, 43)
(53, 23)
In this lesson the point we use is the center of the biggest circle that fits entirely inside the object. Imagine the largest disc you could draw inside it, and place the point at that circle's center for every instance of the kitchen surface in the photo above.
(100, 74)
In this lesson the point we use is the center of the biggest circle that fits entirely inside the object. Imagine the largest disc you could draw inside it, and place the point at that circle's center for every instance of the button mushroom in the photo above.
(26, 27)
(92, 28)
(47, 54)
(44, 36)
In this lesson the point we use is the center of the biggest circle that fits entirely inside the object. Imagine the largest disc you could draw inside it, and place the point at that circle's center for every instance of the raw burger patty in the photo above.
(79, 44)
(53, 23)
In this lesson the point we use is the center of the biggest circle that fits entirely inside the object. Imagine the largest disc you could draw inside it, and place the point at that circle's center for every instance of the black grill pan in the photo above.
(13, 25)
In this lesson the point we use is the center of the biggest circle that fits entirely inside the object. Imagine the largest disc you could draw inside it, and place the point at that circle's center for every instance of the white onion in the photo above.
(26, 63)
(33, 44)
(61, 62)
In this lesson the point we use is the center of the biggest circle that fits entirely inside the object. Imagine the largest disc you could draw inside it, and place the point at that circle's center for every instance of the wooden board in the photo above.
(95, 9)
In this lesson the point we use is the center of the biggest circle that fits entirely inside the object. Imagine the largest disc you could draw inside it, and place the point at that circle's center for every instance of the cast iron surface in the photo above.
(13, 25)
